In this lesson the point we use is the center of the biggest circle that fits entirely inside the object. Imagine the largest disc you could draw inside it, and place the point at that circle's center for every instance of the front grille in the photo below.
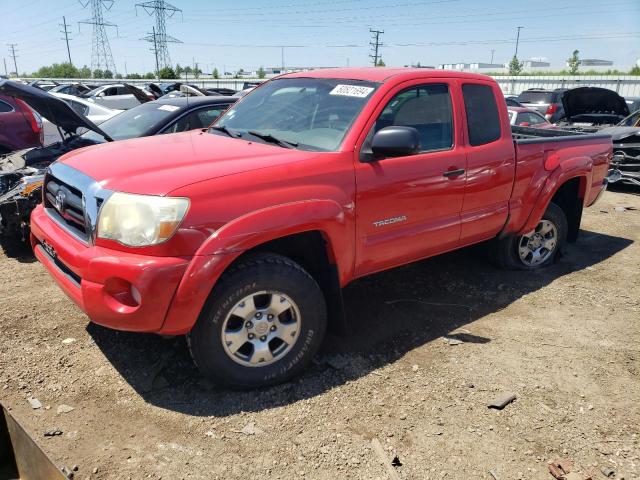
(65, 203)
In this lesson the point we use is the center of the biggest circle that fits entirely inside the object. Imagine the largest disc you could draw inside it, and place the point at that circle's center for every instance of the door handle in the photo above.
(453, 173)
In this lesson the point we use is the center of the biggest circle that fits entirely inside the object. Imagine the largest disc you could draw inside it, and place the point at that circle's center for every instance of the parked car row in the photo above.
(591, 110)
(22, 172)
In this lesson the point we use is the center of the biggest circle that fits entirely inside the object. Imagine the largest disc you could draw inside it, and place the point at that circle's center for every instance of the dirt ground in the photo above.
(431, 344)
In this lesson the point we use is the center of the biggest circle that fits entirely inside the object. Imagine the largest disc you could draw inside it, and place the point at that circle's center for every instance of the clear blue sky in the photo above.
(245, 34)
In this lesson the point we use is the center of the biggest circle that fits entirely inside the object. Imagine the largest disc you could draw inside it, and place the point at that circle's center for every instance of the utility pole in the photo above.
(155, 51)
(282, 57)
(66, 36)
(517, 41)
(492, 52)
(12, 48)
(5, 66)
(375, 45)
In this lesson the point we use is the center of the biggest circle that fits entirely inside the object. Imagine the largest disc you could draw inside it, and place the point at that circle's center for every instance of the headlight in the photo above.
(140, 220)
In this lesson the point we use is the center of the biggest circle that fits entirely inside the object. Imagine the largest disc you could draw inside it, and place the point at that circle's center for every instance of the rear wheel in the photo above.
(263, 324)
(537, 248)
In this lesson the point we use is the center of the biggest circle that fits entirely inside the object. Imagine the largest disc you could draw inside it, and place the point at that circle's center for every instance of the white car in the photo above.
(88, 108)
(115, 96)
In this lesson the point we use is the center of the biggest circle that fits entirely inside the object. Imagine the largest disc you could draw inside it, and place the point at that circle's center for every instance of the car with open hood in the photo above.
(593, 107)
(21, 172)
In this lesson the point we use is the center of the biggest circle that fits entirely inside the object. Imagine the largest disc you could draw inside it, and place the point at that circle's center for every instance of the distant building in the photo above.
(473, 67)
(594, 62)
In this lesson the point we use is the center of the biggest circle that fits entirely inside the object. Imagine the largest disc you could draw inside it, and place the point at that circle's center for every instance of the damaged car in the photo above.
(625, 162)
(586, 107)
(22, 172)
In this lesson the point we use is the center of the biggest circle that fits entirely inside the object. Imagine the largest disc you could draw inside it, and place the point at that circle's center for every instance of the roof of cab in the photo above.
(382, 74)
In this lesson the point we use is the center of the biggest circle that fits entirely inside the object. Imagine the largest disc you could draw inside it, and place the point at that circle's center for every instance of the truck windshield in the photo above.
(306, 113)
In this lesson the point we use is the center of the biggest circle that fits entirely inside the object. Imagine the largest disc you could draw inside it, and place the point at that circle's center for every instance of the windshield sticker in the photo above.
(351, 91)
(169, 108)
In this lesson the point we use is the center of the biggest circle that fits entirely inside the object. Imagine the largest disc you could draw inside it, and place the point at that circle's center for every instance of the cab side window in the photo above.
(5, 107)
(483, 120)
(427, 108)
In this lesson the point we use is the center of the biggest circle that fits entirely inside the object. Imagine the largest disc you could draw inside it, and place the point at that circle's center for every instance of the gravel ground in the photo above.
(431, 344)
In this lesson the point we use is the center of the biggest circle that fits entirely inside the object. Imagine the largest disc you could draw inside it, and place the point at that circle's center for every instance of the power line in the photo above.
(65, 32)
(375, 45)
(12, 49)
(101, 57)
(161, 10)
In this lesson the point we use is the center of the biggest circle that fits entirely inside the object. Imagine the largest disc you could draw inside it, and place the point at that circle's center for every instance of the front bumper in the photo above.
(116, 289)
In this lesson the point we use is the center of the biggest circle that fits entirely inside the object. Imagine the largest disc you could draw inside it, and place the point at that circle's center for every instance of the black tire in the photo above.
(505, 251)
(254, 274)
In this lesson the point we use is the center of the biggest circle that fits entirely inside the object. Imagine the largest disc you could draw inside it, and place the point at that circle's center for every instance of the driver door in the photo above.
(409, 207)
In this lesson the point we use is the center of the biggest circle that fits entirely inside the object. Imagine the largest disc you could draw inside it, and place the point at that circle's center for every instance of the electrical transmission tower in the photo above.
(375, 45)
(101, 57)
(12, 49)
(159, 38)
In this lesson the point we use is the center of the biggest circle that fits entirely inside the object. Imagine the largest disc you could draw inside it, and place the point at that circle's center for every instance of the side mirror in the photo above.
(396, 141)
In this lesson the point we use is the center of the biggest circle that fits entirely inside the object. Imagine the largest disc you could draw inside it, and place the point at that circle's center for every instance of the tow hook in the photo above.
(614, 175)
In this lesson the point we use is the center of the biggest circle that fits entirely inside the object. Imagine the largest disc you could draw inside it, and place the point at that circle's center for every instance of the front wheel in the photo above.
(537, 248)
(262, 325)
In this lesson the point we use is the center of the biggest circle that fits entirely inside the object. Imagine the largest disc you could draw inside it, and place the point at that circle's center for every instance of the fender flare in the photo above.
(222, 248)
(563, 171)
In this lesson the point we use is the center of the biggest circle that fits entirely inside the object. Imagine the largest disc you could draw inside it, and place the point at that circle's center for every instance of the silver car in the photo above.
(114, 96)
(547, 102)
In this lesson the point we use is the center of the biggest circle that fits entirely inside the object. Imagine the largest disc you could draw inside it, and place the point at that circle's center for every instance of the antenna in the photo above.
(101, 57)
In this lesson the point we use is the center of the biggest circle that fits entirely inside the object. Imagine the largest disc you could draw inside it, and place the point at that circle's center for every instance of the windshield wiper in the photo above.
(267, 137)
(224, 129)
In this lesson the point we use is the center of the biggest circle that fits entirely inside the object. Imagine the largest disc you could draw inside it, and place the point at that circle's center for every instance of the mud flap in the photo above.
(20, 457)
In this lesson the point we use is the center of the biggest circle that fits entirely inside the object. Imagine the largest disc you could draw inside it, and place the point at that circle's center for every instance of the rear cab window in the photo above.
(5, 107)
(483, 118)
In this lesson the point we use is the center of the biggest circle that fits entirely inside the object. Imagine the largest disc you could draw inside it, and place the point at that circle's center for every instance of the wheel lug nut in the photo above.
(270, 317)
(251, 335)
(263, 338)
(249, 325)
(273, 328)
(258, 315)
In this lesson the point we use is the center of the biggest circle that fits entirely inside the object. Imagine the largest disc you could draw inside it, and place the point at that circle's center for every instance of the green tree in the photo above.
(97, 73)
(197, 72)
(135, 76)
(119, 76)
(261, 73)
(167, 73)
(84, 72)
(515, 66)
(179, 70)
(149, 76)
(216, 74)
(108, 74)
(635, 70)
(574, 62)
(187, 71)
(381, 63)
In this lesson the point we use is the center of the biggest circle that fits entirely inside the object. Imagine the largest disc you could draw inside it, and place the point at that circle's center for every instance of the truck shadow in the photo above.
(389, 314)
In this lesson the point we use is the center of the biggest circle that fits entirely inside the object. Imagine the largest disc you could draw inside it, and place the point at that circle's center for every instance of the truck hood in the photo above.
(160, 164)
(593, 100)
(54, 109)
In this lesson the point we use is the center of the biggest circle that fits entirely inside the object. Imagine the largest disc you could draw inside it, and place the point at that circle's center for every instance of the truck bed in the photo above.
(528, 135)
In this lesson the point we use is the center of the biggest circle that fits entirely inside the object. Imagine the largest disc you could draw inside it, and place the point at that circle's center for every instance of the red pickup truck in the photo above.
(241, 235)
